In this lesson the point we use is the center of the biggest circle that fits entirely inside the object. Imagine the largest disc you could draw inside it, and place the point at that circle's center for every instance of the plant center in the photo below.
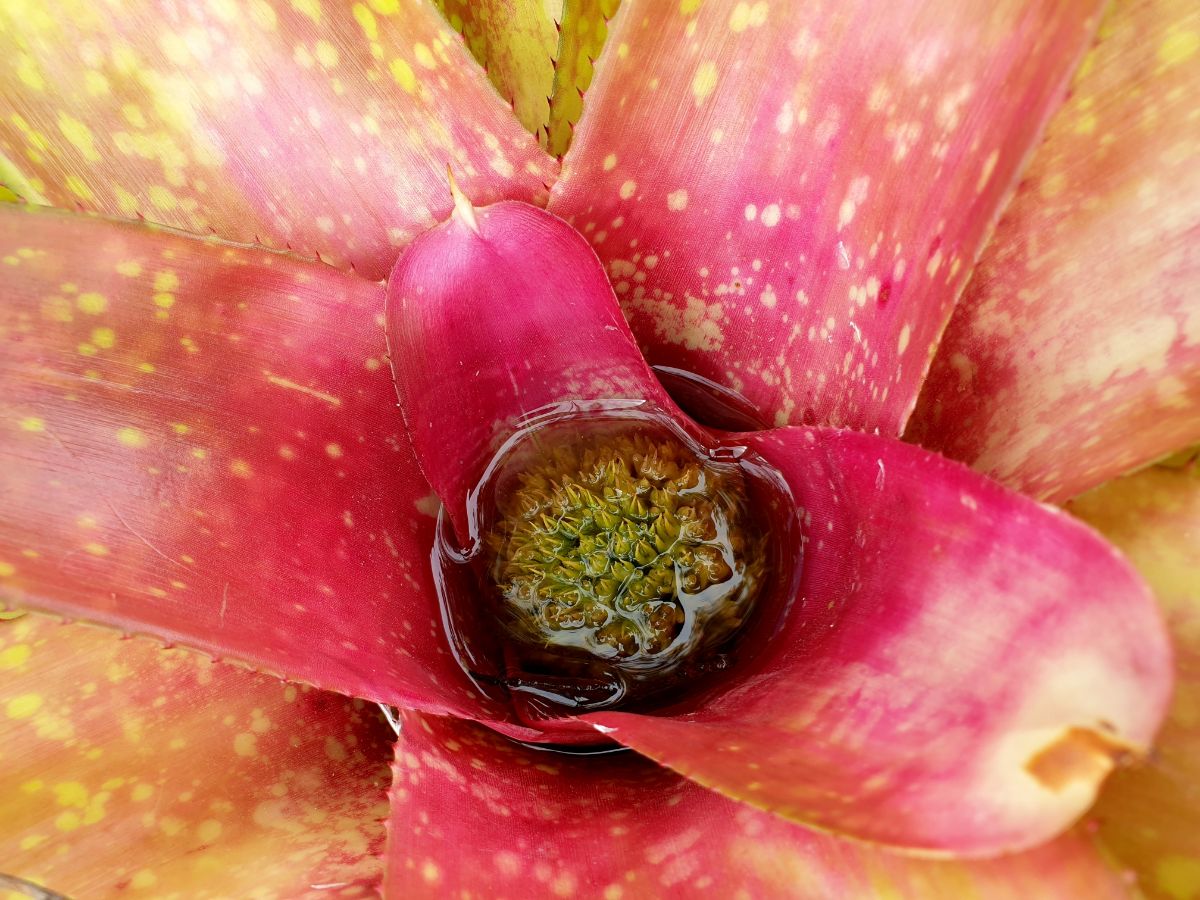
(626, 548)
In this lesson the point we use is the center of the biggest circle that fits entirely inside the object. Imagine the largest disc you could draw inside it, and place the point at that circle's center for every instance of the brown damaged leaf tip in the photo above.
(1078, 754)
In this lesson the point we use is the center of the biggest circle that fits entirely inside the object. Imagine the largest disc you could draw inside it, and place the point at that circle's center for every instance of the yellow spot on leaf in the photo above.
(104, 338)
(366, 21)
(143, 879)
(15, 656)
(79, 135)
(245, 744)
(404, 75)
(208, 831)
(166, 280)
(705, 81)
(1179, 46)
(310, 8)
(95, 549)
(132, 437)
(745, 16)
(334, 450)
(92, 303)
(241, 468)
(130, 268)
(327, 54)
(32, 423)
(79, 187)
(71, 793)
(677, 200)
(23, 706)
(424, 56)
(162, 197)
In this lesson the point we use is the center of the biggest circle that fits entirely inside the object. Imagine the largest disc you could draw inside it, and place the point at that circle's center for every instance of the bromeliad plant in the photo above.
(812, 620)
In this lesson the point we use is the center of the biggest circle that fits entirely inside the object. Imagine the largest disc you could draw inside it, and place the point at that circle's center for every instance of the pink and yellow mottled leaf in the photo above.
(1075, 353)
(516, 41)
(126, 769)
(474, 813)
(1151, 818)
(959, 671)
(320, 126)
(789, 197)
(200, 440)
(584, 29)
(496, 313)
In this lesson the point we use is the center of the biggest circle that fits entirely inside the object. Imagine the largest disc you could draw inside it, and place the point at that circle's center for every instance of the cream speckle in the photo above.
(770, 215)
(705, 81)
(677, 201)
(628, 189)
(902, 342)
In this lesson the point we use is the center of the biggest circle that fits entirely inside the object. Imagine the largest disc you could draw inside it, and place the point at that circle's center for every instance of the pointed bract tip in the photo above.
(463, 209)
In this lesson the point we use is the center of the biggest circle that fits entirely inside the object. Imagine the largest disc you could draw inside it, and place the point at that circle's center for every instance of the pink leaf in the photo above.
(789, 197)
(1075, 353)
(960, 670)
(200, 440)
(322, 127)
(472, 812)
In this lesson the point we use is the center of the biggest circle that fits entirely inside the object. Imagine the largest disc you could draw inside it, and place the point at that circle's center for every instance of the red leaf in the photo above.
(790, 197)
(960, 669)
(200, 440)
(491, 321)
(474, 813)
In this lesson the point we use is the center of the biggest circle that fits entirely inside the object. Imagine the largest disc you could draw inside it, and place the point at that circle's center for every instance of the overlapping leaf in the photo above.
(584, 29)
(200, 440)
(789, 197)
(1075, 353)
(322, 126)
(126, 769)
(472, 812)
(516, 41)
(1150, 818)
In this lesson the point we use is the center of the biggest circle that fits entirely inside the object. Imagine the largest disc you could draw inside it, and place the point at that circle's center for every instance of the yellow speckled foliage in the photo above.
(1150, 816)
(228, 783)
